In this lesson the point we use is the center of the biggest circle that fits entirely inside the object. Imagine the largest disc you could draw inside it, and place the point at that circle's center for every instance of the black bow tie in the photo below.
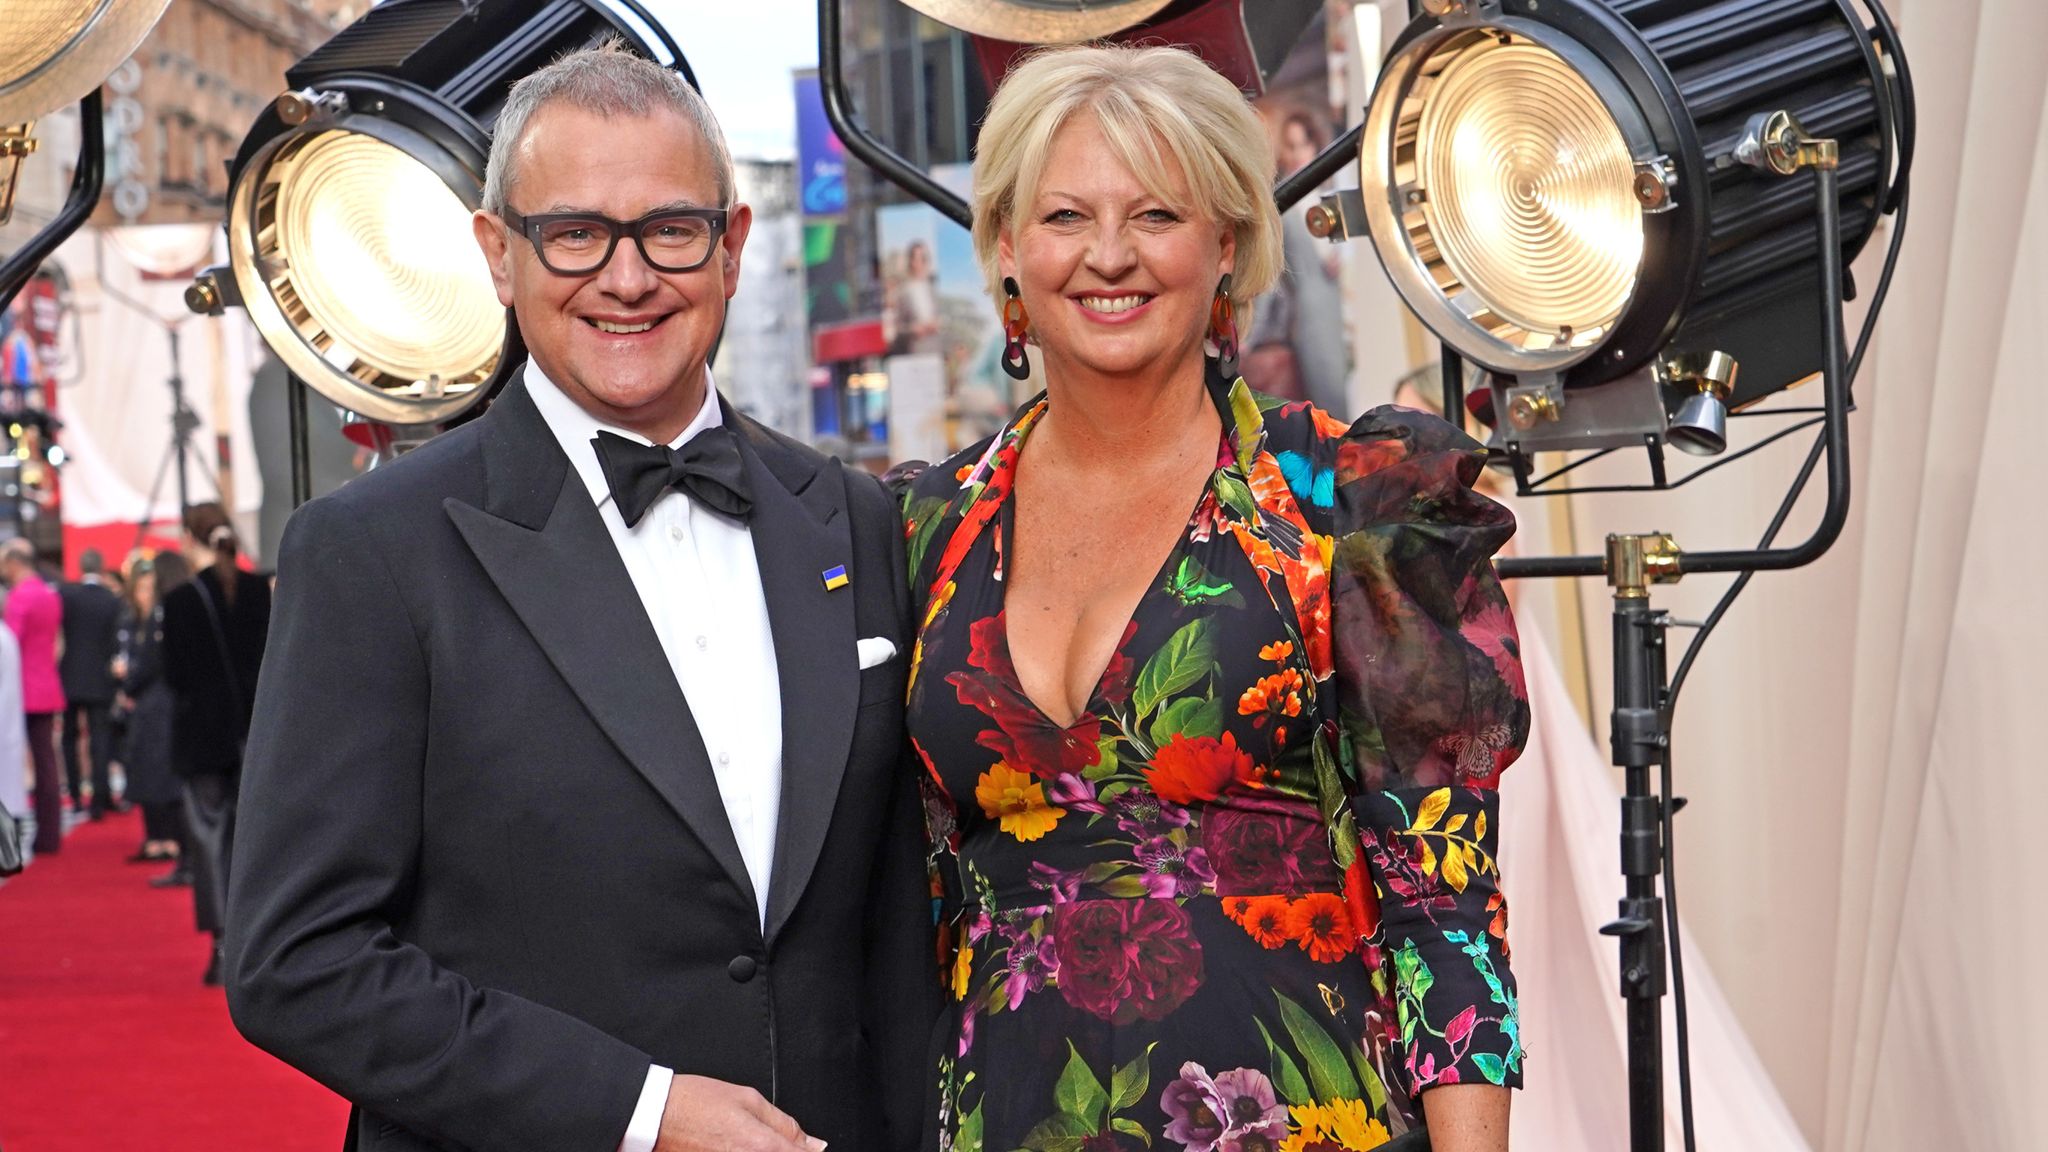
(707, 468)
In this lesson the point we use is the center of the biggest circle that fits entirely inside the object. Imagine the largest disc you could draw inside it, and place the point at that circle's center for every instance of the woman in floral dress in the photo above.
(1211, 692)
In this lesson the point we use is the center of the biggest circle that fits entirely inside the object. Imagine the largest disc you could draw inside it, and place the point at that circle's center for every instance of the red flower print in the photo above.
(1127, 960)
(1319, 923)
(1023, 736)
(1362, 901)
(1492, 631)
(1195, 771)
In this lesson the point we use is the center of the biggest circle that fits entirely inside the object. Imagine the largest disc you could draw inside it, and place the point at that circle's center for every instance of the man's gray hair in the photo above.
(608, 80)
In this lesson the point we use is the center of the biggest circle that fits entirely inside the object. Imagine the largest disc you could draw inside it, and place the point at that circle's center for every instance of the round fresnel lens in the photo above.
(399, 296)
(53, 52)
(1527, 193)
(41, 31)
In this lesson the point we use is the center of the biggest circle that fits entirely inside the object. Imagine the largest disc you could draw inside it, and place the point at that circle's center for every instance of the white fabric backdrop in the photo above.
(116, 401)
(1855, 739)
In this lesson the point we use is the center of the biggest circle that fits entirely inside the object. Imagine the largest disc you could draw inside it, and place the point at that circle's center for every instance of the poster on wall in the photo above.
(934, 302)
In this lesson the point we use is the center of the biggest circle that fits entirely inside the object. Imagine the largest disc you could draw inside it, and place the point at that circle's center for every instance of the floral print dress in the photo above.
(1248, 900)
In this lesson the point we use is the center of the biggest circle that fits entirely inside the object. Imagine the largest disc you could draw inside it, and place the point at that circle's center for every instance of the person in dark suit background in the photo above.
(92, 628)
(146, 743)
(578, 813)
(215, 628)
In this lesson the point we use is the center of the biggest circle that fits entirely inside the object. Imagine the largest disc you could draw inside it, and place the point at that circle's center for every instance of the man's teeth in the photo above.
(1112, 304)
(622, 329)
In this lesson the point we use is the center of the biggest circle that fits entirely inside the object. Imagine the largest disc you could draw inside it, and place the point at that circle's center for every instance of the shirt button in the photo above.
(675, 533)
(742, 969)
(703, 642)
(724, 759)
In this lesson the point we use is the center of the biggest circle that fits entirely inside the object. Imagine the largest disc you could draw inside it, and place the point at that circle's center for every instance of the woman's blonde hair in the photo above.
(1143, 99)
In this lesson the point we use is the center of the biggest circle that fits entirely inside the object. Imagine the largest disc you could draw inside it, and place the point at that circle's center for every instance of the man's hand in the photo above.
(704, 1115)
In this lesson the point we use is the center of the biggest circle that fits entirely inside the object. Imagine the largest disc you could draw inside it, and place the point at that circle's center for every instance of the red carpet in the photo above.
(107, 1040)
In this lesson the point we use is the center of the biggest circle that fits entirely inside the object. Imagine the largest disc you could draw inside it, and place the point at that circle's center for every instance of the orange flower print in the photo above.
(1196, 771)
(1279, 693)
(1266, 920)
(1319, 923)
(1018, 801)
(1235, 907)
(1278, 651)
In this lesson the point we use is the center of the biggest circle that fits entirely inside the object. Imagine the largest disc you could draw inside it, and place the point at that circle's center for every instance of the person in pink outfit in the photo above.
(36, 617)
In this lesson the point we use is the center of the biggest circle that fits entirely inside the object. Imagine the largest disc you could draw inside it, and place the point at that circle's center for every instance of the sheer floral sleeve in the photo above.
(1431, 707)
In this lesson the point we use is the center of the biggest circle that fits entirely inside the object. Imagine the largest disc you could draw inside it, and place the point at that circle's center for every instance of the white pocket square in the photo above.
(874, 650)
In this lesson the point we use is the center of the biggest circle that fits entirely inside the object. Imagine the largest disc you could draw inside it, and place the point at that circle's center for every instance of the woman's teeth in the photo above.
(1112, 304)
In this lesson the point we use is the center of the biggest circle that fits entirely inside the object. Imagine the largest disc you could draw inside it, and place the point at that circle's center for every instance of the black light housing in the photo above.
(1572, 194)
(346, 238)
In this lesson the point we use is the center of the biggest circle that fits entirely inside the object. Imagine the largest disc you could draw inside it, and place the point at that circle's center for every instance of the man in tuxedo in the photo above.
(92, 638)
(577, 814)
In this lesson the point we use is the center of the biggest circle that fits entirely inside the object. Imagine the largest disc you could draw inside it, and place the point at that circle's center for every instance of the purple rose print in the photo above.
(1194, 1112)
(1126, 960)
(1263, 852)
(1172, 870)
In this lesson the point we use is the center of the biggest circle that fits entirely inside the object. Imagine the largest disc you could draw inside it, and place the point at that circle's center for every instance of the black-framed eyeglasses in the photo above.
(581, 243)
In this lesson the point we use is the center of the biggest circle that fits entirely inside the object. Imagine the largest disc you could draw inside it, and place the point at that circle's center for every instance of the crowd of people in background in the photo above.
(132, 688)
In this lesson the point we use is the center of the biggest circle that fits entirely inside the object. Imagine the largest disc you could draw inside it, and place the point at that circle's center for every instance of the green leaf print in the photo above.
(1130, 1082)
(1183, 659)
(1491, 1067)
(1106, 767)
(1079, 1094)
(1328, 1073)
(968, 1138)
(1131, 1127)
(1286, 1077)
(1191, 716)
(1058, 1133)
(926, 514)
(1374, 1089)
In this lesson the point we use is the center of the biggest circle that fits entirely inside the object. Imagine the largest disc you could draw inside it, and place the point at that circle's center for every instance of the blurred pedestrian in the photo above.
(36, 617)
(214, 630)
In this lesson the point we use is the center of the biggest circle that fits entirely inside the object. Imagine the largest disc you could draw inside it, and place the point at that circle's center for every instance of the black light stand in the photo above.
(301, 439)
(86, 181)
(184, 422)
(1641, 719)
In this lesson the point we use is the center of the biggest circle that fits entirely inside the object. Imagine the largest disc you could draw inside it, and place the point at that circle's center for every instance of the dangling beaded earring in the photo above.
(1223, 331)
(1015, 320)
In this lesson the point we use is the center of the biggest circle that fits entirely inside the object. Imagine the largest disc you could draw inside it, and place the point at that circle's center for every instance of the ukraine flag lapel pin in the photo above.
(835, 578)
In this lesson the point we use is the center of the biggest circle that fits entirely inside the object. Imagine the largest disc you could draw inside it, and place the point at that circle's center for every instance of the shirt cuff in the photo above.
(645, 1126)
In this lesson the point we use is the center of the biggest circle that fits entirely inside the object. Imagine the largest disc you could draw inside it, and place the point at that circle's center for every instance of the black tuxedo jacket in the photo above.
(92, 638)
(483, 875)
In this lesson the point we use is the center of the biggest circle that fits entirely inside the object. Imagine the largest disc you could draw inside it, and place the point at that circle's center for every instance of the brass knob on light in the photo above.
(203, 296)
(1529, 409)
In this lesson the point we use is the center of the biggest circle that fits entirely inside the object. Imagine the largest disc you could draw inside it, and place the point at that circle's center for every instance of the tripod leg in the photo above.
(156, 488)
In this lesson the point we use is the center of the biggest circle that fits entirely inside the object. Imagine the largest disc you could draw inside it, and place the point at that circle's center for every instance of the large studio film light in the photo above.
(1590, 200)
(348, 235)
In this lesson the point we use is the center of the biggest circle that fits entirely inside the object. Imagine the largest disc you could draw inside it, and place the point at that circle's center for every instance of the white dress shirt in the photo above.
(701, 587)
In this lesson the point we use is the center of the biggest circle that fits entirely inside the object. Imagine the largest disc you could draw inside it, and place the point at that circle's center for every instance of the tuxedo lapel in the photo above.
(801, 531)
(540, 539)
